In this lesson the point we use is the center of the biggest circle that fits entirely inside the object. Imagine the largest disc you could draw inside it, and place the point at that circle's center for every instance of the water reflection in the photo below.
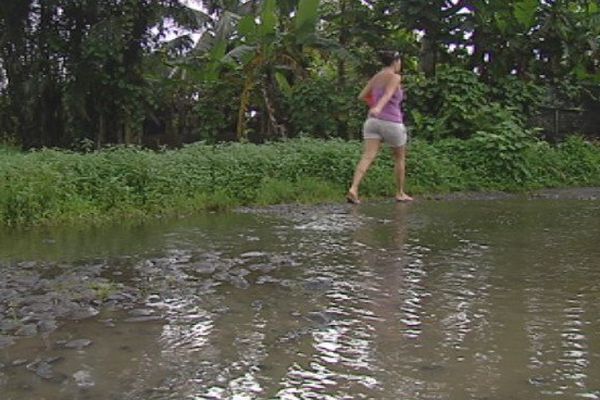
(480, 300)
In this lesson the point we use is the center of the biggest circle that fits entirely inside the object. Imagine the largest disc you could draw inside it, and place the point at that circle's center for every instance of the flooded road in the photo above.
(461, 299)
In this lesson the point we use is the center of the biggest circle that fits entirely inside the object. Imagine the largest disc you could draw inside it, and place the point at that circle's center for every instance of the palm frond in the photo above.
(241, 53)
(190, 18)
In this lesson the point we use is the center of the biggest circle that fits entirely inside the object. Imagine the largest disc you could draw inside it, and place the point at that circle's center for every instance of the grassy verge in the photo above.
(53, 186)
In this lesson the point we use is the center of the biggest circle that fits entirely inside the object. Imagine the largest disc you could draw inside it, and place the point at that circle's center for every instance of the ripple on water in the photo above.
(360, 304)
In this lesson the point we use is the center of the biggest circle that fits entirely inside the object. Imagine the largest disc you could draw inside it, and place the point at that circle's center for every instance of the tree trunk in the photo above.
(278, 128)
(344, 39)
(14, 53)
(428, 53)
(101, 135)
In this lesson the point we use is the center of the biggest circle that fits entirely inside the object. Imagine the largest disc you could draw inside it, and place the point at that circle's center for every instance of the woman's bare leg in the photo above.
(399, 170)
(370, 150)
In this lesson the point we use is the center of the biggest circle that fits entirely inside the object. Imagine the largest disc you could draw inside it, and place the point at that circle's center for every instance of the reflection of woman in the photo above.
(390, 291)
(384, 123)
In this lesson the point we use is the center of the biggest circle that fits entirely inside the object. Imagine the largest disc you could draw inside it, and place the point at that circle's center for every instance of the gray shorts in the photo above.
(392, 133)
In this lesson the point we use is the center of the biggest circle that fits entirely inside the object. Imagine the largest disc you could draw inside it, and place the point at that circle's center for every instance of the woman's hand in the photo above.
(375, 111)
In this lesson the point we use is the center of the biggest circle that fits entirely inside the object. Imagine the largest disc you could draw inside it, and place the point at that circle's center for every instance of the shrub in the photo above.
(443, 106)
(322, 108)
(455, 103)
(49, 186)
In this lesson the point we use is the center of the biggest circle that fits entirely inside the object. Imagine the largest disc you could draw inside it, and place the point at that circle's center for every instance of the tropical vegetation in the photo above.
(49, 186)
(158, 72)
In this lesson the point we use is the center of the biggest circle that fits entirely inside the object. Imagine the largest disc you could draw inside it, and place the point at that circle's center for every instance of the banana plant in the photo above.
(265, 40)
(270, 51)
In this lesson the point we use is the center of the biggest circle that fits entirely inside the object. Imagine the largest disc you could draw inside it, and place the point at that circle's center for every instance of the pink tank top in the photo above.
(391, 110)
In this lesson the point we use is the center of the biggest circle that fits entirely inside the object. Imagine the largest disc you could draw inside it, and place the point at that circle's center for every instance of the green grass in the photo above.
(50, 186)
(7, 148)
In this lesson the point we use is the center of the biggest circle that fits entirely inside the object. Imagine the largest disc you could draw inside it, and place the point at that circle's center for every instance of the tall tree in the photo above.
(438, 22)
(73, 69)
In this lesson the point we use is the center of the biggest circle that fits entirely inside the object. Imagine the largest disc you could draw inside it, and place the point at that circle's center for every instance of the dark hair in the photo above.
(389, 56)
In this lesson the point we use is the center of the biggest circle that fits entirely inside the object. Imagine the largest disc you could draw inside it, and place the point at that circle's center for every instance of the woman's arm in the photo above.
(390, 88)
(366, 90)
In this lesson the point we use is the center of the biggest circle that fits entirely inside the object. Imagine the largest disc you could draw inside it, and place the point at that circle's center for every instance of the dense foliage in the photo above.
(158, 72)
(48, 186)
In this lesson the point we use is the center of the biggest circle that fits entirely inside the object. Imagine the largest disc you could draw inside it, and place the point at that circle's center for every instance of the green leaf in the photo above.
(268, 18)
(242, 53)
(306, 19)
(204, 44)
(524, 12)
(218, 50)
(283, 83)
(501, 23)
(247, 27)
(226, 25)
(177, 43)
(328, 45)
(190, 17)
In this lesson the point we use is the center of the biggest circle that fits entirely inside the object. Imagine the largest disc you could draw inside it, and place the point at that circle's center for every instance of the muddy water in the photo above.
(431, 300)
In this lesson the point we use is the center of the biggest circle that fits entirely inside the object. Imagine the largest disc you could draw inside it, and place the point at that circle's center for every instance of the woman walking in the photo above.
(384, 123)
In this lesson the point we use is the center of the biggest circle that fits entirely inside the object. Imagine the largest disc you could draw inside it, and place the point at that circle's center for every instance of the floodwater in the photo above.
(432, 300)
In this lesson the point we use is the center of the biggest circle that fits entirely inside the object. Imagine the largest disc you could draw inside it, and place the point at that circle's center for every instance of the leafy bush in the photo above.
(435, 167)
(515, 94)
(444, 106)
(216, 110)
(8, 148)
(323, 108)
(580, 160)
(455, 103)
(50, 186)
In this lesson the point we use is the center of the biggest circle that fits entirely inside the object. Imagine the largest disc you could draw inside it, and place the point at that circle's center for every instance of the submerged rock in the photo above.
(239, 272)
(44, 370)
(318, 284)
(27, 330)
(47, 326)
(147, 318)
(78, 344)
(253, 254)
(264, 268)
(54, 359)
(141, 312)
(321, 317)
(432, 368)
(82, 312)
(6, 341)
(204, 269)
(266, 279)
(239, 282)
(83, 379)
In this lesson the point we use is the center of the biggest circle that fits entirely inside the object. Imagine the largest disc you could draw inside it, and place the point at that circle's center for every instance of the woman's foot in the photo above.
(352, 197)
(403, 197)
